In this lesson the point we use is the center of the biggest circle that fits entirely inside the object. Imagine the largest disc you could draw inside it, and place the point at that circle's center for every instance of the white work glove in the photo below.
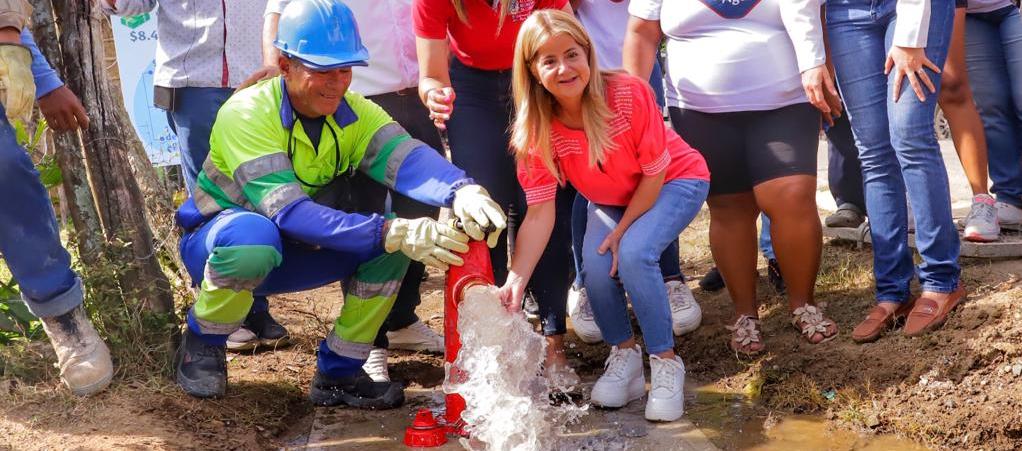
(426, 240)
(16, 82)
(477, 212)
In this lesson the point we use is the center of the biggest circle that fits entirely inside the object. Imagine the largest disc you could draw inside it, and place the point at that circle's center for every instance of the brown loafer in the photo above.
(878, 321)
(928, 314)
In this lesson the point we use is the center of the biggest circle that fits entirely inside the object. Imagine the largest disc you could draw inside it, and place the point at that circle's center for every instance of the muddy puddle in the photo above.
(731, 422)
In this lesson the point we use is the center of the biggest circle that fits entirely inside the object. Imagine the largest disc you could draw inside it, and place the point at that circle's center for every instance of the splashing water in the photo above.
(507, 398)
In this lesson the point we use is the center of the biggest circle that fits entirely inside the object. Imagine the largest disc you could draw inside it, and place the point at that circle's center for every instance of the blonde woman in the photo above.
(604, 134)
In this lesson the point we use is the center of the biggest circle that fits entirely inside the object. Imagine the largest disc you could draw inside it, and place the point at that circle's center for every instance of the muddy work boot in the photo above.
(83, 358)
(201, 367)
(356, 390)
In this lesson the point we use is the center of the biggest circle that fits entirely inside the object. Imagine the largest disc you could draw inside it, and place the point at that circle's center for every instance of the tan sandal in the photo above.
(746, 335)
(809, 320)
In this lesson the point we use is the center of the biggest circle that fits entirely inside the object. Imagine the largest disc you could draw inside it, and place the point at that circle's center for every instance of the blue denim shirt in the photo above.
(46, 79)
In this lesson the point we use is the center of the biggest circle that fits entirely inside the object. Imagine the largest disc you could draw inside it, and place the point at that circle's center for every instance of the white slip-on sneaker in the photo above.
(376, 365)
(981, 223)
(623, 379)
(416, 337)
(1008, 214)
(685, 311)
(242, 339)
(582, 320)
(666, 400)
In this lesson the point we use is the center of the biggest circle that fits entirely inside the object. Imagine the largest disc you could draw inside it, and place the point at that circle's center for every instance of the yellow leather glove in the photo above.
(478, 212)
(426, 240)
(17, 86)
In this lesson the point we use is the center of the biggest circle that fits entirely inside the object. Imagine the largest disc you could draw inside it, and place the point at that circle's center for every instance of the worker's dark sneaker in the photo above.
(356, 390)
(712, 281)
(847, 215)
(259, 329)
(774, 273)
(201, 368)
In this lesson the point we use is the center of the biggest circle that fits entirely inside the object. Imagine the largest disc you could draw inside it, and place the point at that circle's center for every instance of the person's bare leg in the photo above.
(790, 203)
(733, 242)
(555, 356)
(956, 102)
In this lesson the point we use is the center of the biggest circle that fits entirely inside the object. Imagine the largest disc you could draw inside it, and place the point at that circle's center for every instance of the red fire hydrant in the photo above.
(477, 270)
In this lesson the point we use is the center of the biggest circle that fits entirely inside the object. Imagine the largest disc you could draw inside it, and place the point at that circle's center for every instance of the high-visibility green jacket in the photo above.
(260, 159)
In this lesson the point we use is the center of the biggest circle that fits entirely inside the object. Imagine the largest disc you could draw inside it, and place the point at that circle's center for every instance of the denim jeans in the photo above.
(479, 138)
(670, 261)
(993, 56)
(412, 115)
(844, 173)
(29, 235)
(637, 268)
(192, 120)
(766, 242)
(897, 146)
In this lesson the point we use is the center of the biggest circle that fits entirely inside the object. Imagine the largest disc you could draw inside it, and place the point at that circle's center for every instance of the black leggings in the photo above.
(478, 131)
(746, 148)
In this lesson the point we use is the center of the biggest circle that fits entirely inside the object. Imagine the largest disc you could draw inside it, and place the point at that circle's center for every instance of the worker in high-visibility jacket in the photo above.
(293, 197)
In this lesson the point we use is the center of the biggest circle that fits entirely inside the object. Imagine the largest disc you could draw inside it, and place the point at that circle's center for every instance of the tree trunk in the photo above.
(68, 149)
(108, 142)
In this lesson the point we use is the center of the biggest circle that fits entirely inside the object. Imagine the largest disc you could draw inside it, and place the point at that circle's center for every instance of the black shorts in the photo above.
(746, 148)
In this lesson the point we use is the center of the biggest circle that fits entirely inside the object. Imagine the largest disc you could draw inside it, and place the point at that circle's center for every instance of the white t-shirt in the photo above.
(736, 55)
(606, 21)
(985, 6)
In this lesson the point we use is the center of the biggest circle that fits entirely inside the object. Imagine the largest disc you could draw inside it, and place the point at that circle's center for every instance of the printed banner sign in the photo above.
(135, 41)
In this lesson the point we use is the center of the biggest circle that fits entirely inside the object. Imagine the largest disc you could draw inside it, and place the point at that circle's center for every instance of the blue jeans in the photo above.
(638, 269)
(897, 146)
(29, 235)
(192, 120)
(766, 243)
(993, 56)
(479, 138)
(670, 261)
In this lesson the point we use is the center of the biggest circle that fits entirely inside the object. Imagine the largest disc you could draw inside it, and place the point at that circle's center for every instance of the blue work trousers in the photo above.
(29, 235)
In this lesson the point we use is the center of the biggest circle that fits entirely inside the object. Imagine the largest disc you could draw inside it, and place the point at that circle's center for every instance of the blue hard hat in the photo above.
(322, 34)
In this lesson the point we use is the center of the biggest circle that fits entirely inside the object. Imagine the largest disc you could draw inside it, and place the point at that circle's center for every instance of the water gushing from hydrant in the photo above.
(507, 398)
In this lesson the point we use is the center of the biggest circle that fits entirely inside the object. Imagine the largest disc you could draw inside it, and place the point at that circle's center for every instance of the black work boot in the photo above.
(356, 390)
(712, 281)
(201, 368)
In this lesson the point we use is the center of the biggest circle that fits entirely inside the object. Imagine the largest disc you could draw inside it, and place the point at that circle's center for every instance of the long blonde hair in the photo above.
(459, 9)
(534, 106)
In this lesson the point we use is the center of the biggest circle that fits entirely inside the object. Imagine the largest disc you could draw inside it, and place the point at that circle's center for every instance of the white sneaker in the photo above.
(667, 389)
(685, 311)
(416, 337)
(83, 358)
(582, 319)
(1008, 214)
(376, 365)
(981, 223)
(622, 380)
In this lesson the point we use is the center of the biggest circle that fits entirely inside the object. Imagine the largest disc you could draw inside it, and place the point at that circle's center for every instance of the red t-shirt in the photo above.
(477, 44)
(646, 145)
